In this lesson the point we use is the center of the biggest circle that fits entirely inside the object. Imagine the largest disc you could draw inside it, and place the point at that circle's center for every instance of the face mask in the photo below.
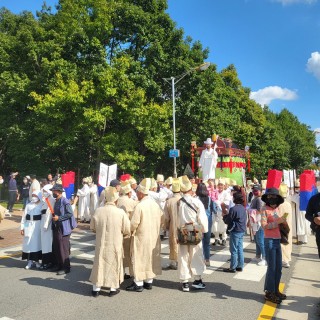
(34, 199)
(272, 201)
(55, 195)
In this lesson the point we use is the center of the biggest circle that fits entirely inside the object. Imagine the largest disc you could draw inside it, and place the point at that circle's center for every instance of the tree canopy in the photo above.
(83, 83)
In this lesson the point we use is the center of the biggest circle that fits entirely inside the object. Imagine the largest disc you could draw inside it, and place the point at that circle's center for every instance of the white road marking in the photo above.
(251, 272)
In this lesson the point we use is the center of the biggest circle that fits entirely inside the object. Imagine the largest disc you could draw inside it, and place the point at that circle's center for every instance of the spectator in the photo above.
(24, 192)
(13, 191)
(236, 221)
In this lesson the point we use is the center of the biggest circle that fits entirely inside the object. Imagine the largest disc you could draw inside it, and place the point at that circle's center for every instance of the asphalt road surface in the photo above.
(33, 294)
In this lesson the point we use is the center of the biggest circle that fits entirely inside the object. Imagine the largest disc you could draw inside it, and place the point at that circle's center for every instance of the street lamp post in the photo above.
(174, 81)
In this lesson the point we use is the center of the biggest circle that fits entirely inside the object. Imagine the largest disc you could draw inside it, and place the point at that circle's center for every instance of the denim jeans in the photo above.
(25, 202)
(236, 250)
(259, 239)
(274, 260)
(206, 238)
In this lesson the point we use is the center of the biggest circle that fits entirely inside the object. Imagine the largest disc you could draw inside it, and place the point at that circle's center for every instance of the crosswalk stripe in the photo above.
(251, 272)
(87, 255)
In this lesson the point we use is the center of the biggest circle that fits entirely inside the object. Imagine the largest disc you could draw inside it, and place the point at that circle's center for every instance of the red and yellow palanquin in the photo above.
(231, 160)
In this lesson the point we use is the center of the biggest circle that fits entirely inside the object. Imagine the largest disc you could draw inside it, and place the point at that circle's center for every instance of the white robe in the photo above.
(208, 162)
(190, 257)
(93, 198)
(218, 225)
(32, 233)
(300, 223)
(46, 226)
(84, 203)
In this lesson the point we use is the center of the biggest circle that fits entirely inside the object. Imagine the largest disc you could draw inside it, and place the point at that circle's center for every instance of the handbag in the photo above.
(284, 232)
(190, 233)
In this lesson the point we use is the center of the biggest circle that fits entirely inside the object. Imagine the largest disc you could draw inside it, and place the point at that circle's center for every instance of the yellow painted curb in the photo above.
(11, 255)
(269, 308)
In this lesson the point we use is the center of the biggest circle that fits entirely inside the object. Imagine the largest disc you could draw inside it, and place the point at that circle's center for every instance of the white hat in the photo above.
(160, 178)
(111, 194)
(175, 185)
(233, 182)
(125, 187)
(144, 186)
(221, 181)
(48, 188)
(208, 141)
(168, 181)
(154, 184)
(264, 184)
(132, 180)
(194, 187)
(185, 184)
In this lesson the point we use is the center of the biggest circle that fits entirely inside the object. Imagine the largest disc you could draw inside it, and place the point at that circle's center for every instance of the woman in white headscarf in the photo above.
(31, 231)
(46, 227)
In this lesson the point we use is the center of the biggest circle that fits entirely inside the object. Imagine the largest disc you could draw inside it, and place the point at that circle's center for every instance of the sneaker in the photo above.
(256, 260)
(271, 296)
(185, 287)
(285, 264)
(262, 263)
(29, 265)
(198, 284)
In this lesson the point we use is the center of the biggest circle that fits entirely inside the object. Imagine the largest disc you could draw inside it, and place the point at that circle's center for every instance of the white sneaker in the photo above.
(38, 265)
(256, 260)
(29, 265)
(262, 263)
(285, 264)
(185, 287)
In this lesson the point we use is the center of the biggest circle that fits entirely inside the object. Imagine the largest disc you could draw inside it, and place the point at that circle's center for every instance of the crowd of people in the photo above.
(131, 219)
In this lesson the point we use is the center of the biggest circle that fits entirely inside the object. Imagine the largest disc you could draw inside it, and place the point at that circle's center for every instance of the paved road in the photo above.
(32, 294)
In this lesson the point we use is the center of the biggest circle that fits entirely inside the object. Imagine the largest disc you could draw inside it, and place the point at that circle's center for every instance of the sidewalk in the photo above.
(303, 289)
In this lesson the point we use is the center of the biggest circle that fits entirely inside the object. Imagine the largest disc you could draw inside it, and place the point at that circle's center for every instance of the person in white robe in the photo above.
(208, 160)
(93, 197)
(167, 188)
(190, 257)
(31, 231)
(110, 224)
(218, 226)
(134, 185)
(46, 227)
(83, 195)
(35, 185)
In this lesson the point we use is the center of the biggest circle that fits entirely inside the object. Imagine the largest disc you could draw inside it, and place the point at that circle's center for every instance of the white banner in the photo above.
(289, 177)
(103, 175)
(112, 173)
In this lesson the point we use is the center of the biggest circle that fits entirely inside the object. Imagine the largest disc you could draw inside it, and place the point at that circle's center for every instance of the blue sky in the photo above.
(274, 45)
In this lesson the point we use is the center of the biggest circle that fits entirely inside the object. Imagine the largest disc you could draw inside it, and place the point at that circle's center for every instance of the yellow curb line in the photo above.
(11, 255)
(269, 308)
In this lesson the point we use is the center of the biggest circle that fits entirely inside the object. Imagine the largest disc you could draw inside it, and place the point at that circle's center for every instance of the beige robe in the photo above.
(190, 257)
(171, 216)
(287, 249)
(128, 205)
(110, 224)
(145, 244)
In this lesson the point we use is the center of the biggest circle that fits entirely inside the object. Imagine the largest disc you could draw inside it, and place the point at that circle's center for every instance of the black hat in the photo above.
(57, 187)
(273, 192)
(256, 187)
(114, 183)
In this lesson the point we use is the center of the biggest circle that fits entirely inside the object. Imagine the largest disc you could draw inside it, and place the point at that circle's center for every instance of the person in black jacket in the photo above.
(24, 192)
(313, 215)
(236, 220)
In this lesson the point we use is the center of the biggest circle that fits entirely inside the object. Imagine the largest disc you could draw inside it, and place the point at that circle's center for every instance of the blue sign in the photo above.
(174, 153)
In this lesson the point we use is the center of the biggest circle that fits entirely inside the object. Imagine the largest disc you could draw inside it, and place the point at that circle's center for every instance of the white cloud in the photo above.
(313, 64)
(266, 95)
(288, 2)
